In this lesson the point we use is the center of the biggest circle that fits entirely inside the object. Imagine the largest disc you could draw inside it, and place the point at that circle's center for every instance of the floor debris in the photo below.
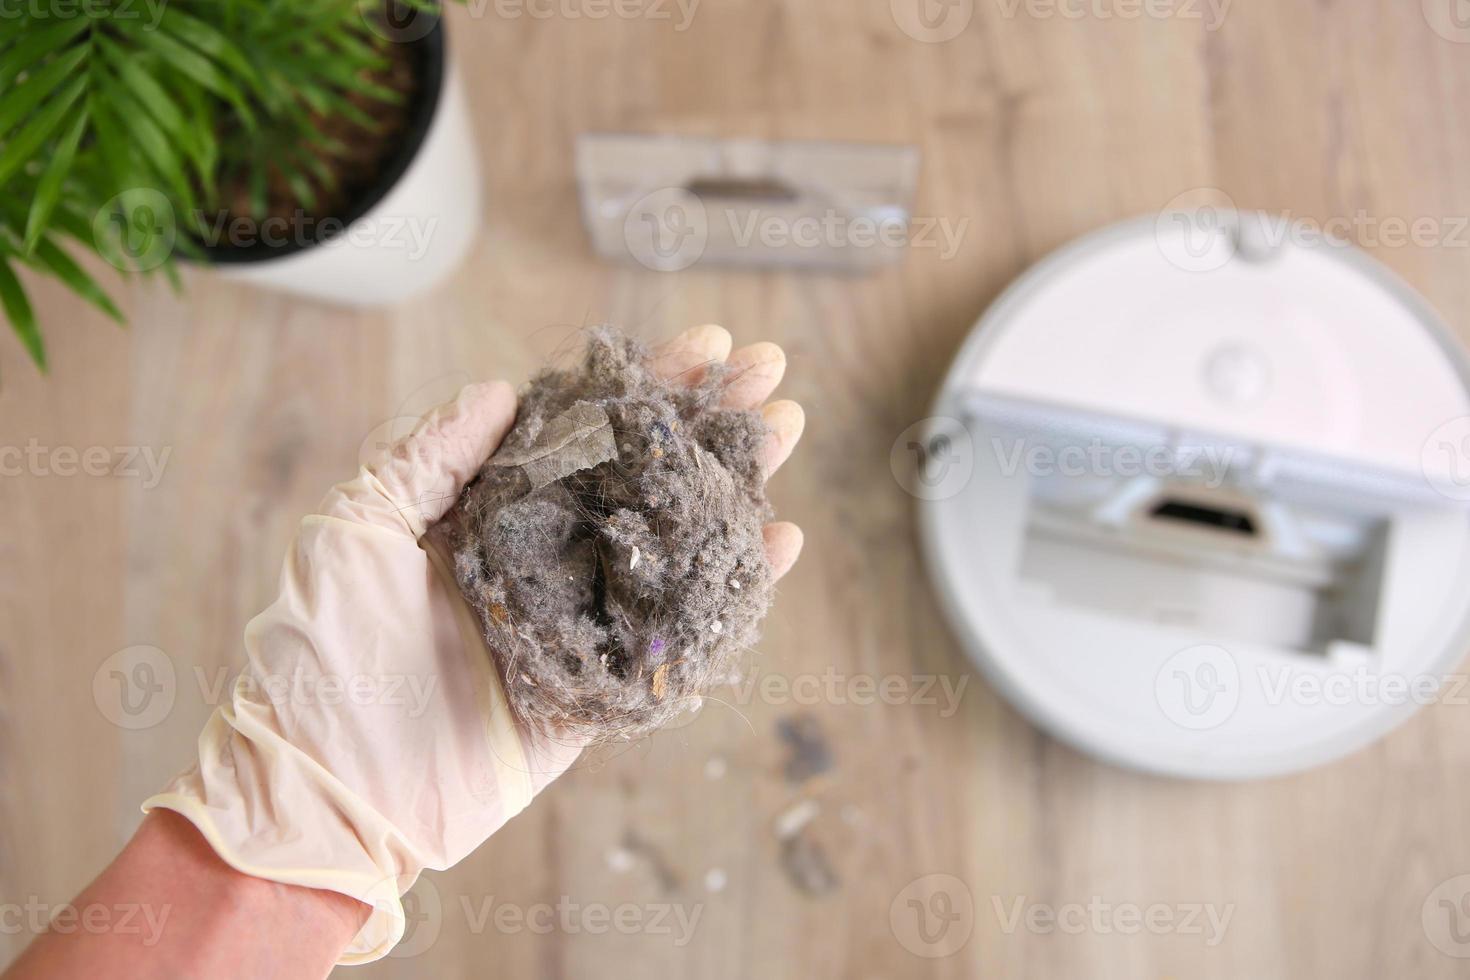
(808, 753)
(620, 859)
(793, 819)
(806, 864)
(668, 879)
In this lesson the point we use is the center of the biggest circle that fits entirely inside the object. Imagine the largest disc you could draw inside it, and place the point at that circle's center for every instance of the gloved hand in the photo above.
(368, 737)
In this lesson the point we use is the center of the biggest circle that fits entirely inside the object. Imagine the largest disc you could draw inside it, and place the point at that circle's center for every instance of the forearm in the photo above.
(190, 915)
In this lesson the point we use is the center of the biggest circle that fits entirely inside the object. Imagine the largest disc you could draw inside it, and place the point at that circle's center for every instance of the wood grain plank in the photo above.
(1033, 129)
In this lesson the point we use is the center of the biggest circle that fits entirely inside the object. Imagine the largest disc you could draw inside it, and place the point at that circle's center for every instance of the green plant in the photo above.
(126, 120)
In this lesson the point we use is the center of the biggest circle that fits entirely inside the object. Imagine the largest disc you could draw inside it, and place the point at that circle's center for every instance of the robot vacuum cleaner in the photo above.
(1194, 497)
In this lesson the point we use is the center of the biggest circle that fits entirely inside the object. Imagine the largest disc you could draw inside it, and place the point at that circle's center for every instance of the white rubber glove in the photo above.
(328, 768)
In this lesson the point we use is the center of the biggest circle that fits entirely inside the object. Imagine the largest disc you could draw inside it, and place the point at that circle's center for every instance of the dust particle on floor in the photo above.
(808, 752)
(792, 820)
(806, 865)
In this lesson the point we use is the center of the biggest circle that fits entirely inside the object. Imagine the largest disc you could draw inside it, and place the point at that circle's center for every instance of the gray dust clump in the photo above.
(612, 546)
(808, 753)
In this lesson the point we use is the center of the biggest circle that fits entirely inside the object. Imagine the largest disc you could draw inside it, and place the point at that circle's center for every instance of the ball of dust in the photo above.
(612, 546)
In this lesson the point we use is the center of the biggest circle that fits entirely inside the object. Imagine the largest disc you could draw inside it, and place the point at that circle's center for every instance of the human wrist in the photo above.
(223, 898)
(182, 911)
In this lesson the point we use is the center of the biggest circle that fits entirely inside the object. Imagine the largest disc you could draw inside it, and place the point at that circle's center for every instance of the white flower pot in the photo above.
(409, 232)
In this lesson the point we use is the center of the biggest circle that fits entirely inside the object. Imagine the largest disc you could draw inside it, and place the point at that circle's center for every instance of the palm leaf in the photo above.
(23, 145)
(119, 168)
(190, 63)
(103, 114)
(146, 90)
(211, 42)
(69, 219)
(52, 259)
(157, 149)
(48, 191)
(18, 311)
(37, 44)
(25, 96)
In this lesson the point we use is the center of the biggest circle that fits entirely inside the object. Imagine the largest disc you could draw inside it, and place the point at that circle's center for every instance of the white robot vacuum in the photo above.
(1194, 496)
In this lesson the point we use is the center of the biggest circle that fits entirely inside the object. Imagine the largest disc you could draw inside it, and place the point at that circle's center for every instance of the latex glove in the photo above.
(368, 737)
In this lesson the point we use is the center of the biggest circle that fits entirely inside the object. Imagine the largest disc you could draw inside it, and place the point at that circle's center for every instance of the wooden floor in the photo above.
(1035, 128)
